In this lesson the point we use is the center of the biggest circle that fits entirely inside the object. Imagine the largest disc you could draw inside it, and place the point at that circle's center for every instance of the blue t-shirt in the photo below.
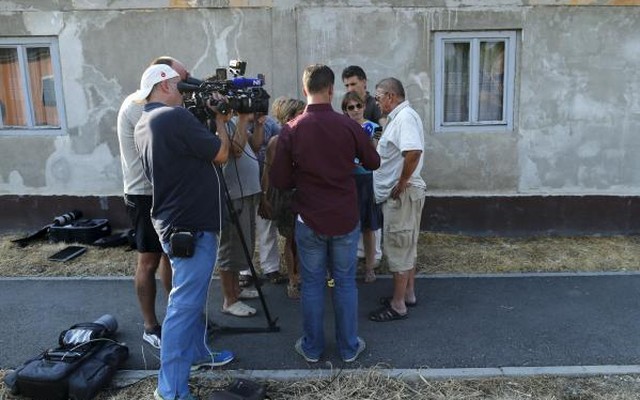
(177, 152)
(369, 127)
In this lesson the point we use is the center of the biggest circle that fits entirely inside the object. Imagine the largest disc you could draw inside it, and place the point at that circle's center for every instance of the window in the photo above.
(30, 90)
(475, 79)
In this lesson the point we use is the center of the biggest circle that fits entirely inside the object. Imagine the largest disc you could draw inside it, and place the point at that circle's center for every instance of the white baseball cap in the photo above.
(152, 75)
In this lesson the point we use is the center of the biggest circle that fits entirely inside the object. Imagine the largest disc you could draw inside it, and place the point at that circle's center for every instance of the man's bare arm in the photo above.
(411, 160)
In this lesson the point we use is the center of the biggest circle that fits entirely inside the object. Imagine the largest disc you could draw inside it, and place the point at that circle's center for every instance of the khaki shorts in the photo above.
(401, 227)
(231, 256)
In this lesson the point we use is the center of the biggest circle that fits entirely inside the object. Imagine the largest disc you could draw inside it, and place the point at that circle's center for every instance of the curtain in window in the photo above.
(491, 81)
(456, 82)
(11, 92)
(42, 86)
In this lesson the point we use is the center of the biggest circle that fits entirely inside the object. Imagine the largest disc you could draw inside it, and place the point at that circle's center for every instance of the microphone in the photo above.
(242, 82)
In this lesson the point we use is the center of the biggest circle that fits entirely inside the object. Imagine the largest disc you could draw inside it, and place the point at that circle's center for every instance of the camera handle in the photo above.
(271, 323)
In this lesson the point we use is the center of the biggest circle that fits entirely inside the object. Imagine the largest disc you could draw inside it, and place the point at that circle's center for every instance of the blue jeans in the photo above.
(316, 252)
(183, 329)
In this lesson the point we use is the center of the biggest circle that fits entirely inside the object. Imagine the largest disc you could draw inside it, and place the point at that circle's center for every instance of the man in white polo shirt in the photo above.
(400, 188)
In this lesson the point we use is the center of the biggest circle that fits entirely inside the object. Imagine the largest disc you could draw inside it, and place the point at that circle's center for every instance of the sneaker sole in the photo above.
(151, 341)
(210, 365)
(361, 349)
(298, 348)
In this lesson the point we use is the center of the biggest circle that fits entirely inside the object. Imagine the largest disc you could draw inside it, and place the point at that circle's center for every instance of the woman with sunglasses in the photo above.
(370, 212)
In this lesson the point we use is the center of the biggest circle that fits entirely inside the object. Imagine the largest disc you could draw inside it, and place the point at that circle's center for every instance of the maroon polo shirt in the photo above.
(315, 155)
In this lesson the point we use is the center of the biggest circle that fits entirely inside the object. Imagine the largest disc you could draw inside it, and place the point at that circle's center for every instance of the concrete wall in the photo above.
(577, 99)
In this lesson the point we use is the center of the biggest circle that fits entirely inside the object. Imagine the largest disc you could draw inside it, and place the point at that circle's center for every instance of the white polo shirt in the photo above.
(403, 133)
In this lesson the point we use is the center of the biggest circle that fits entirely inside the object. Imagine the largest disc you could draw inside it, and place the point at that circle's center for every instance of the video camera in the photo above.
(244, 95)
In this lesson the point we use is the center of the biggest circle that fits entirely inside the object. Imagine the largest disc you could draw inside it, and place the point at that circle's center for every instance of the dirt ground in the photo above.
(438, 254)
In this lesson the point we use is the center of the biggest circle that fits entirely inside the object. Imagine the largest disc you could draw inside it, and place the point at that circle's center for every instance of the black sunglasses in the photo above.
(352, 107)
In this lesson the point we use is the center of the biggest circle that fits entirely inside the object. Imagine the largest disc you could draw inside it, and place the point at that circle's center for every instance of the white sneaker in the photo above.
(153, 337)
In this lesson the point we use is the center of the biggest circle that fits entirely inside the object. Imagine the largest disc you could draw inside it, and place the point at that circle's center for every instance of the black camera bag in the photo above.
(242, 389)
(61, 374)
(84, 231)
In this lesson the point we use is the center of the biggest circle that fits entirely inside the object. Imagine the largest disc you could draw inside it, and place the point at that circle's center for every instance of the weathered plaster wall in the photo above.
(580, 101)
(103, 54)
(577, 108)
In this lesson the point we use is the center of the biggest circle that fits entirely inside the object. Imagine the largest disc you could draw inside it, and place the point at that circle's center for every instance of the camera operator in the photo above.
(242, 176)
(179, 155)
(137, 197)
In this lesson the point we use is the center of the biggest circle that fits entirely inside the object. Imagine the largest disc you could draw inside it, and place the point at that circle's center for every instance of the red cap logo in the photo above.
(162, 74)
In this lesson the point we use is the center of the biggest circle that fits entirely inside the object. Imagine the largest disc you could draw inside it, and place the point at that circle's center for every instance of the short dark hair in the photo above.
(392, 85)
(317, 77)
(354, 70)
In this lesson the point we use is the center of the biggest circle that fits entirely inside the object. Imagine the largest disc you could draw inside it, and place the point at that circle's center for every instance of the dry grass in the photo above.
(33, 260)
(376, 385)
(442, 253)
(437, 254)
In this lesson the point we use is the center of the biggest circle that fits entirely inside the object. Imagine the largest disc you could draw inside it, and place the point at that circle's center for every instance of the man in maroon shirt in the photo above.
(315, 156)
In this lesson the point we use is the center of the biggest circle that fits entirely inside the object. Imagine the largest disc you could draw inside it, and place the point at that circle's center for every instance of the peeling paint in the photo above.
(577, 108)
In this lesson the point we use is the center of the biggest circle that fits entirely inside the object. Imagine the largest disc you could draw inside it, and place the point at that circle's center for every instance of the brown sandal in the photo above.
(386, 314)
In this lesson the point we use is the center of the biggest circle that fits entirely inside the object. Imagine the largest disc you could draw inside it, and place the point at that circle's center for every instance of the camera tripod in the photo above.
(271, 323)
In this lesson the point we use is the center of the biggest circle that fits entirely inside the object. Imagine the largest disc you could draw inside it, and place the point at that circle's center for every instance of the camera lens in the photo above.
(108, 321)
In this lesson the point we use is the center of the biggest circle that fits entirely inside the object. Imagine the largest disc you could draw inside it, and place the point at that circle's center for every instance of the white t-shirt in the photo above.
(402, 133)
(135, 182)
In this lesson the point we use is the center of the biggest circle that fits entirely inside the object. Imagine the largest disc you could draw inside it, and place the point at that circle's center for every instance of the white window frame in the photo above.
(21, 44)
(474, 39)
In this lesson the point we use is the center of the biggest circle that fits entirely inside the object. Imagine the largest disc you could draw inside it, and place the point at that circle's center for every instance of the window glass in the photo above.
(456, 82)
(43, 100)
(12, 105)
(490, 102)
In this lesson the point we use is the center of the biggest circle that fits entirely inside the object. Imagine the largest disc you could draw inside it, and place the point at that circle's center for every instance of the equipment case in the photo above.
(80, 231)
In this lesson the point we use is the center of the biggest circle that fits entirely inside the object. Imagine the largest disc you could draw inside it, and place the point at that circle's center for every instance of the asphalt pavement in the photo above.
(460, 322)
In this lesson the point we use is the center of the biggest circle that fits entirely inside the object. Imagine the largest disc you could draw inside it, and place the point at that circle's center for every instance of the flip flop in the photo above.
(386, 301)
(239, 309)
(386, 314)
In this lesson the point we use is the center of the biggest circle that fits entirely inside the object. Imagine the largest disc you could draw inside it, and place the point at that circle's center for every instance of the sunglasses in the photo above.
(352, 107)
(379, 96)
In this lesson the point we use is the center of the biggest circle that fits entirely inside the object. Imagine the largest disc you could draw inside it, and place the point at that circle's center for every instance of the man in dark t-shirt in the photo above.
(179, 156)
(355, 80)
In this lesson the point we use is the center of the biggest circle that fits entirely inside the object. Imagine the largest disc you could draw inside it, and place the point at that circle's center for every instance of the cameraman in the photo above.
(178, 155)
(242, 176)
